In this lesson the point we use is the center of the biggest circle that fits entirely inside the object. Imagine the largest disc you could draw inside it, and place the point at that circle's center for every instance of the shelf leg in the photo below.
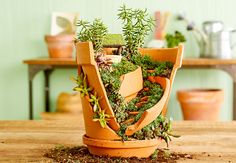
(30, 99)
(231, 70)
(47, 89)
(32, 71)
(234, 102)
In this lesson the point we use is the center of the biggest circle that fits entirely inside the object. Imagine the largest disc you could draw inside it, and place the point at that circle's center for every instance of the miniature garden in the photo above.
(127, 110)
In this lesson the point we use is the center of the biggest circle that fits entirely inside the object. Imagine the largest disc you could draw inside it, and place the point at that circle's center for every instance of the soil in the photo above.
(81, 154)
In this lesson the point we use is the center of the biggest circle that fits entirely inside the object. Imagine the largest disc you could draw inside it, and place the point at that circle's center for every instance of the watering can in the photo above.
(216, 41)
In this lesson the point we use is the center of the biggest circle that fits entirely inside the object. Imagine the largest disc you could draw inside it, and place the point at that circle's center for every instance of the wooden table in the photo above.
(27, 141)
(48, 65)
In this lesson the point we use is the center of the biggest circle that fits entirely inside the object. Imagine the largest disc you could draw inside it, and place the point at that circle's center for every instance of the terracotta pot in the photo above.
(105, 141)
(201, 104)
(69, 106)
(60, 46)
(137, 148)
(62, 116)
(69, 103)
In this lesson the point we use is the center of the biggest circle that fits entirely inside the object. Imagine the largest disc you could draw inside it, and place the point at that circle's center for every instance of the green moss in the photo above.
(113, 39)
(111, 81)
(160, 68)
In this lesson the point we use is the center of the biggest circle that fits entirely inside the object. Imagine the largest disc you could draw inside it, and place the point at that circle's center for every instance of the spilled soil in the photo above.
(81, 154)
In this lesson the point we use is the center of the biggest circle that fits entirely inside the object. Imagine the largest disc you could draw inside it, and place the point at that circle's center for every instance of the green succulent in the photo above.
(95, 32)
(136, 25)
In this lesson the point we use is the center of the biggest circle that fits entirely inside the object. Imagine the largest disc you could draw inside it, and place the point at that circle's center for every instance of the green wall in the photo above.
(25, 22)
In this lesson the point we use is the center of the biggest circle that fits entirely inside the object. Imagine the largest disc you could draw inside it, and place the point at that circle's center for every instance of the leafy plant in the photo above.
(94, 32)
(173, 40)
(136, 25)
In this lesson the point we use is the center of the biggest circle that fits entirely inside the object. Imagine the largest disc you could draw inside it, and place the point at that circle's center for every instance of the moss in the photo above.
(160, 68)
(111, 81)
(152, 93)
(114, 39)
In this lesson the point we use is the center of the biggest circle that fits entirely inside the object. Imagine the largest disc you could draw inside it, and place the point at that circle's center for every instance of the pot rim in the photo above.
(119, 143)
(61, 38)
(200, 90)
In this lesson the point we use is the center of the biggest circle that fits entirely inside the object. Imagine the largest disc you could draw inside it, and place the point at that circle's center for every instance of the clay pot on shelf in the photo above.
(60, 46)
(105, 141)
(201, 104)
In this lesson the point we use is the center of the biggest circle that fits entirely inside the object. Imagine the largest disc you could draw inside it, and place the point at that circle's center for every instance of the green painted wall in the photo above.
(25, 22)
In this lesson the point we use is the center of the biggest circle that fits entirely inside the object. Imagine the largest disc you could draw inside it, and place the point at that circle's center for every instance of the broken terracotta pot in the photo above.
(105, 141)
(174, 55)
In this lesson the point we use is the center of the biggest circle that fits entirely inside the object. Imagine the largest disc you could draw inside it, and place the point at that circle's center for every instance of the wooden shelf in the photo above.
(49, 64)
(186, 62)
(207, 62)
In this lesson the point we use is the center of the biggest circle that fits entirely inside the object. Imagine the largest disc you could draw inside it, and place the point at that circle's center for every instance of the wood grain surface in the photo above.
(27, 141)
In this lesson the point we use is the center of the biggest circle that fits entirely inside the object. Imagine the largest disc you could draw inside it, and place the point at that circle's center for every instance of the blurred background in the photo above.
(24, 23)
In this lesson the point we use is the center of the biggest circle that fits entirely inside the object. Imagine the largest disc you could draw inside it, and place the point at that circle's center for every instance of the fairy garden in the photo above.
(125, 113)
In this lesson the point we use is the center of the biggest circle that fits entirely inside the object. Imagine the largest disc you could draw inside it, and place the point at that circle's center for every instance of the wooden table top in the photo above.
(186, 62)
(24, 141)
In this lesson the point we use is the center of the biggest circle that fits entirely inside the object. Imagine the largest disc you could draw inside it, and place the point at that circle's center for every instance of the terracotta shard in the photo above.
(150, 115)
(173, 55)
(94, 129)
(85, 59)
(132, 83)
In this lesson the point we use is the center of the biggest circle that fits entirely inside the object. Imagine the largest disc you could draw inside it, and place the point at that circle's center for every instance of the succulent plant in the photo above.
(95, 32)
(136, 25)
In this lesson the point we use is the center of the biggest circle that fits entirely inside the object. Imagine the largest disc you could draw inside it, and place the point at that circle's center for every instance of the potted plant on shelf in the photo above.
(123, 100)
